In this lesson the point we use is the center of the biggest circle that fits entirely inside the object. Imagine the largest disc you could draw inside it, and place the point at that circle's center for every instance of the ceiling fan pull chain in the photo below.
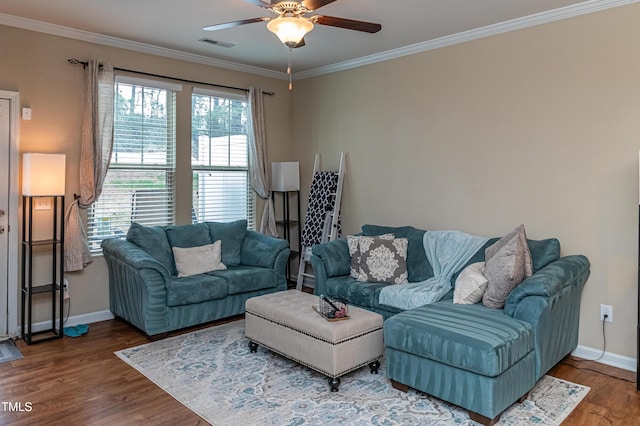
(289, 70)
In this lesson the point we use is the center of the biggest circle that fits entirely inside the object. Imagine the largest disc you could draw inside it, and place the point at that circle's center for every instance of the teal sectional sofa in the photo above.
(145, 288)
(475, 357)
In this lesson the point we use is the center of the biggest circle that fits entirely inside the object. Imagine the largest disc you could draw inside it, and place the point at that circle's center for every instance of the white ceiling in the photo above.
(175, 26)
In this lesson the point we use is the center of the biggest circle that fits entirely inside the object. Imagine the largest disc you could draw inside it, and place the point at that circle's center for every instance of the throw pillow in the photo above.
(231, 234)
(383, 260)
(470, 285)
(507, 263)
(353, 241)
(153, 240)
(193, 235)
(198, 260)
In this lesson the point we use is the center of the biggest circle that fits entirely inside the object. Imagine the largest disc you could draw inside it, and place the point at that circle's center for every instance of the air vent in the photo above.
(217, 43)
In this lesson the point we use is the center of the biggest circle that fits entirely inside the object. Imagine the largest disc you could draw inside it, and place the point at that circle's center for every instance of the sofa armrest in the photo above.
(137, 286)
(565, 272)
(335, 257)
(129, 253)
(329, 260)
(261, 250)
(549, 300)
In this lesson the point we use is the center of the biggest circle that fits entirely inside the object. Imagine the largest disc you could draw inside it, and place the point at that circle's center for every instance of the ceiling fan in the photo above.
(291, 24)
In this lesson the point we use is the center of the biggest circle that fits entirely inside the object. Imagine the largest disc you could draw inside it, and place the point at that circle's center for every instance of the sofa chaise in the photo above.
(167, 278)
(482, 359)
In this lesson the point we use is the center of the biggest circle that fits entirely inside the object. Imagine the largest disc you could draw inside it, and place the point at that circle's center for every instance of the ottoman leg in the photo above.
(373, 366)
(334, 382)
(253, 347)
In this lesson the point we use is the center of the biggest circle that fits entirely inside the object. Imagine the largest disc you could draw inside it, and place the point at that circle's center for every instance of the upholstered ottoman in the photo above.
(286, 323)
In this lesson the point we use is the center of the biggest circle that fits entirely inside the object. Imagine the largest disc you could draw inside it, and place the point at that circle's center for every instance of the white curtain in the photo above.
(95, 154)
(259, 162)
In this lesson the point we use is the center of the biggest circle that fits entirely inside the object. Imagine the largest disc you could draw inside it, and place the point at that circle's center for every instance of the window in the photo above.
(139, 185)
(219, 158)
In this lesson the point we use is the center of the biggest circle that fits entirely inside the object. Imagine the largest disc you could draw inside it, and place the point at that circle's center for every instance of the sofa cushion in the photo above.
(508, 262)
(231, 234)
(195, 289)
(198, 260)
(261, 250)
(418, 266)
(383, 260)
(398, 231)
(543, 252)
(355, 292)
(153, 240)
(470, 337)
(193, 235)
(243, 279)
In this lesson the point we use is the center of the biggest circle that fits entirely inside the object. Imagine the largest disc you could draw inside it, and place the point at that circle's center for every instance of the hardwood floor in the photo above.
(79, 381)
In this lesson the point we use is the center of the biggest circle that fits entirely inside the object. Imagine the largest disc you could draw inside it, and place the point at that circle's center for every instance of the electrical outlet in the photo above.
(608, 311)
(43, 203)
(65, 287)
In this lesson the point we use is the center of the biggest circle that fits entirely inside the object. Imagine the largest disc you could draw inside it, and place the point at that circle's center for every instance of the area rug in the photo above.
(213, 373)
(9, 352)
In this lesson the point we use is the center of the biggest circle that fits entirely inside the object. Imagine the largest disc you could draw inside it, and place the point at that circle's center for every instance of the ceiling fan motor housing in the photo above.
(289, 8)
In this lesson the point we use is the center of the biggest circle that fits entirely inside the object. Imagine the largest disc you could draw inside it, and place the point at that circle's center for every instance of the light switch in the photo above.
(26, 113)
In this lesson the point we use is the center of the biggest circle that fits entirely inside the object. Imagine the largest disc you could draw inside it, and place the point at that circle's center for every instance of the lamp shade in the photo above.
(43, 174)
(285, 176)
(290, 30)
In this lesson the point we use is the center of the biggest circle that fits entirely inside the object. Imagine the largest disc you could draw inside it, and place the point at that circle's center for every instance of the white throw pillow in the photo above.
(198, 260)
(470, 285)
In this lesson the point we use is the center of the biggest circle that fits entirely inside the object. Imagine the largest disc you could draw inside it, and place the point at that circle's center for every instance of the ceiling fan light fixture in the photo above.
(289, 29)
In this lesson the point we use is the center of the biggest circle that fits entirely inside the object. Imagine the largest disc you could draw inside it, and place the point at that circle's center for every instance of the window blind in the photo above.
(139, 185)
(219, 159)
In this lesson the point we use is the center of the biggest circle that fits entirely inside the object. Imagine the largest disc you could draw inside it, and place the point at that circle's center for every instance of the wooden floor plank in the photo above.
(80, 381)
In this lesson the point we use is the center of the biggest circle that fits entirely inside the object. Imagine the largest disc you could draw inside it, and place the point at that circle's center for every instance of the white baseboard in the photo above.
(614, 360)
(74, 320)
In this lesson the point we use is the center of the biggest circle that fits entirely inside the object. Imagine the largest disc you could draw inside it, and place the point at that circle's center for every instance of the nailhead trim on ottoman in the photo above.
(286, 323)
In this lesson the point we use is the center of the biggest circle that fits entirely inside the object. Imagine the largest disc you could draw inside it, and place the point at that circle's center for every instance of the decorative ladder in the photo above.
(321, 223)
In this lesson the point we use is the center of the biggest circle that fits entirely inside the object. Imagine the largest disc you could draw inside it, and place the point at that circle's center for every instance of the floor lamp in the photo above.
(43, 178)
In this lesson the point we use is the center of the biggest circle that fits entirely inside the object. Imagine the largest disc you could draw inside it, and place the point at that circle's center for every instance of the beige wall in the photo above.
(35, 65)
(540, 126)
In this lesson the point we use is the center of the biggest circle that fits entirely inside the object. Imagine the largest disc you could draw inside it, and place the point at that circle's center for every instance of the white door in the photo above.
(8, 213)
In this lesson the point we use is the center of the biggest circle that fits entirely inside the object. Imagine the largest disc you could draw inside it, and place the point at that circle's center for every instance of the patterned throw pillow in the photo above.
(353, 241)
(383, 260)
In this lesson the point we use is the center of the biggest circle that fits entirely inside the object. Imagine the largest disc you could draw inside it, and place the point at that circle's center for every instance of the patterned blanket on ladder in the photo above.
(321, 201)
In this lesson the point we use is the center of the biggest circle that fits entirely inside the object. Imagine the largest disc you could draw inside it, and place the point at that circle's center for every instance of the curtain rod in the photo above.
(84, 65)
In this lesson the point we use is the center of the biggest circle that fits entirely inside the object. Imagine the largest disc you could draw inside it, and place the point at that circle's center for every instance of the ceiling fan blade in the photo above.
(300, 43)
(234, 24)
(316, 4)
(349, 24)
(259, 3)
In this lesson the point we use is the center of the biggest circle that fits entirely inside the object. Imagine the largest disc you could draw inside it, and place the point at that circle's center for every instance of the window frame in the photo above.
(250, 193)
(168, 167)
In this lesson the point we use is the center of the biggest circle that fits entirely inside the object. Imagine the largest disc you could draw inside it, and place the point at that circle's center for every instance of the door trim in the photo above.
(14, 210)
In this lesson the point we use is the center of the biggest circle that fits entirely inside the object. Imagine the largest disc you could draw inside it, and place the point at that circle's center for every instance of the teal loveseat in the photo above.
(145, 288)
(475, 357)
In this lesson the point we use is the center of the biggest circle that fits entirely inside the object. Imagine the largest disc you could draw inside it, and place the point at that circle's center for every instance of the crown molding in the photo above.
(590, 6)
(61, 31)
(566, 12)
